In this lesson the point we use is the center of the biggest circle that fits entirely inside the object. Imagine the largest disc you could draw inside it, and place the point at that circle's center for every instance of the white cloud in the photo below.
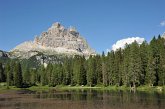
(123, 42)
(162, 23)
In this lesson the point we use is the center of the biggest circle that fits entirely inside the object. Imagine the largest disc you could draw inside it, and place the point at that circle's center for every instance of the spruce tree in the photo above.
(43, 76)
(144, 61)
(49, 74)
(67, 72)
(18, 82)
(104, 70)
(98, 70)
(90, 71)
(135, 64)
(118, 67)
(126, 63)
(82, 76)
(161, 66)
(33, 76)
(8, 73)
(2, 74)
(150, 75)
(26, 76)
(76, 71)
(111, 67)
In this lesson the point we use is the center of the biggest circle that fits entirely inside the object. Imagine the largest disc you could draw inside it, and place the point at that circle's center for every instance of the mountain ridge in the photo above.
(56, 40)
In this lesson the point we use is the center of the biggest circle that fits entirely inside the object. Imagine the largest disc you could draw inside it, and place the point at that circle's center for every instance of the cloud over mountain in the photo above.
(121, 43)
(162, 23)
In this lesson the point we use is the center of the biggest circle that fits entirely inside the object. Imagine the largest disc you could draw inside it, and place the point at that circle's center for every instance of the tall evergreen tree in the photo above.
(49, 73)
(104, 70)
(150, 75)
(144, 61)
(90, 71)
(118, 67)
(43, 76)
(111, 68)
(161, 63)
(76, 70)
(135, 64)
(26, 76)
(8, 73)
(55, 71)
(82, 78)
(98, 70)
(18, 75)
(2, 74)
(33, 76)
(67, 72)
(126, 63)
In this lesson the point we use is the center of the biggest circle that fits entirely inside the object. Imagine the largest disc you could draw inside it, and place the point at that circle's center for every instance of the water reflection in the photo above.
(81, 99)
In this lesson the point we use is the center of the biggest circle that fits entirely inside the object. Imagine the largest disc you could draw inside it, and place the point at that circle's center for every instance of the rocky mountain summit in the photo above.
(163, 35)
(56, 40)
(3, 54)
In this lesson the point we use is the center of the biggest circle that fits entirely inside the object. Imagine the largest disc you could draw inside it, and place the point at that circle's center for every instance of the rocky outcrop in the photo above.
(56, 40)
(163, 35)
(3, 54)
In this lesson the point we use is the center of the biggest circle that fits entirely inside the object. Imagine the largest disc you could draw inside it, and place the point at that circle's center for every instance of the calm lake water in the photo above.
(81, 99)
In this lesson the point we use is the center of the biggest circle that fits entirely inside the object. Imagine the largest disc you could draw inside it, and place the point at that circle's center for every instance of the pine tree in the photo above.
(67, 72)
(144, 61)
(153, 67)
(98, 69)
(33, 76)
(118, 67)
(43, 76)
(2, 74)
(82, 76)
(154, 52)
(76, 70)
(111, 68)
(90, 71)
(55, 71)
(26, 76)
(8, 73)
(18, 75)
(49, 74)
(161, 66)
(150, 75)
(11, 76)
(126, 63)
(60, 74)
(135, 64)
(104, 70)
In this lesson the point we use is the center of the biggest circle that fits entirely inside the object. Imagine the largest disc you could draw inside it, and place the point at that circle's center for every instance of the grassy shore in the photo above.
(3, 88)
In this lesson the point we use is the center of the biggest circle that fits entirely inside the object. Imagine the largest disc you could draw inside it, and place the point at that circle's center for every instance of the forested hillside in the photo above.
(133, 66)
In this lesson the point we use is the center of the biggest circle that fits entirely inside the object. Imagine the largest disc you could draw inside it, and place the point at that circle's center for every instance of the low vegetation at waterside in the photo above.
(140, 67)
(4, 88)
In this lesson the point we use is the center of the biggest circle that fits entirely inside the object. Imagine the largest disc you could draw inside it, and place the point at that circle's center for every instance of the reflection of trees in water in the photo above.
(84, 99)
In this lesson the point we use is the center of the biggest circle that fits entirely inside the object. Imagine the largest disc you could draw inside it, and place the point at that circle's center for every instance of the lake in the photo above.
(81, 99)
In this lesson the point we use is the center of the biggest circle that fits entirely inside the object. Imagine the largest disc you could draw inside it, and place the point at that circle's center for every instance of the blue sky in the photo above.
(101, 22)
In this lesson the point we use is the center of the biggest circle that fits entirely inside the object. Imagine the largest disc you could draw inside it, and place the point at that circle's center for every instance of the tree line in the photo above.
(135, 65)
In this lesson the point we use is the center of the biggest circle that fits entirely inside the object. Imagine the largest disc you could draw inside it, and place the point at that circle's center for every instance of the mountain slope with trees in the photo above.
(135, 65)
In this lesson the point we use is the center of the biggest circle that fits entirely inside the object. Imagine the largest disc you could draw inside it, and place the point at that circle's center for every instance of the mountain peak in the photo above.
(57, 39)
(56, 24)
(163, 35)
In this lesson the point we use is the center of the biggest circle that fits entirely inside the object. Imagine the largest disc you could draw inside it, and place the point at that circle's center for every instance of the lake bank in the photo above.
(64, 87)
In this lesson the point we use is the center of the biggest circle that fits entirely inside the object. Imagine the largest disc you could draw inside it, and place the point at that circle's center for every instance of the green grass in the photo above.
(149, 88)
(3, 88)
(76, 87)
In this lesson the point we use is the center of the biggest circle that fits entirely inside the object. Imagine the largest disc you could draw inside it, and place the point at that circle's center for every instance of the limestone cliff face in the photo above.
(56, 40)
(3, 54)
(163, 35)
